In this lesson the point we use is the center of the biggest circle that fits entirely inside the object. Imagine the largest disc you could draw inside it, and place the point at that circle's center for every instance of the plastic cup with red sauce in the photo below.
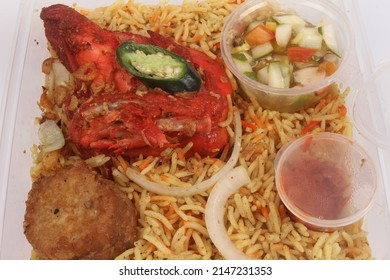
(325, 180)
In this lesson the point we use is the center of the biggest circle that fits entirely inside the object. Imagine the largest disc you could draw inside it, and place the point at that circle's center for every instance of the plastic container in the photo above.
(326, 180)
(19, 132)
(374, 97)
(289, 99)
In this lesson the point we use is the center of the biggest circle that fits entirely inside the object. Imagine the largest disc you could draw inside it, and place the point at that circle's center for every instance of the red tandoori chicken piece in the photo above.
(116, 113)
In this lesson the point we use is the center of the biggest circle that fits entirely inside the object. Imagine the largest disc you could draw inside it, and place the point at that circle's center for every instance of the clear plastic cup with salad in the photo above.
(286, 54)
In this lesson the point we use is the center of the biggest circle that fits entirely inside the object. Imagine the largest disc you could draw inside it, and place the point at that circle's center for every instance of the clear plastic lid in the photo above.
(371, 108)
(326, 180)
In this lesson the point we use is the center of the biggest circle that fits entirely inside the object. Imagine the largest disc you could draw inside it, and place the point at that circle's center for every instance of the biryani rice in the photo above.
(255, 219)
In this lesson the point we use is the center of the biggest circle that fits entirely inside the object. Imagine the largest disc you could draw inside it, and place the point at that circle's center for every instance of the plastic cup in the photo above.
(297, 98)
(325, 180)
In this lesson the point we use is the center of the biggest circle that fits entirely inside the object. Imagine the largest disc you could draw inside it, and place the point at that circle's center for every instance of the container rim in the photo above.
(379, 138)
(302, 215)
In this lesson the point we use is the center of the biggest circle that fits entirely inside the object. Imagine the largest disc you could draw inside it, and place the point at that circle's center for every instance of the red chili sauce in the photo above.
(316, 187)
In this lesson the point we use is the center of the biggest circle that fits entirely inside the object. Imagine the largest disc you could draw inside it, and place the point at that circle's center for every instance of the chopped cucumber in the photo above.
(262, 50)
(308, 37)
(275, 75)
(283, 34)
(297, 39)
(281, 58)
(295, 21)
(242, 48)
(242, 61)
(243, 56)
(251, 75)
(286, 72)
(329, 36)
(308, 75)
(262, 75)
(253, 24)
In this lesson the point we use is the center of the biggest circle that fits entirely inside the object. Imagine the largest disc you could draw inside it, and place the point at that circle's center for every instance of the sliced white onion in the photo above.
(62, 76)
(50, 136)
(197, 188)
(215, 210)
(58, 76)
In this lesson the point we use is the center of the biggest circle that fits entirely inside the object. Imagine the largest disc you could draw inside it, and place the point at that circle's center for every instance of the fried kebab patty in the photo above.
(78, 214)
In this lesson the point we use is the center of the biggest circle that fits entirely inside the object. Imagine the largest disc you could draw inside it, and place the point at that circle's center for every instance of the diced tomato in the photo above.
(299, 54)
(259, 35)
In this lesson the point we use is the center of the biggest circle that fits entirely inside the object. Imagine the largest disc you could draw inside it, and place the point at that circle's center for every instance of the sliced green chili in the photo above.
(158, 67)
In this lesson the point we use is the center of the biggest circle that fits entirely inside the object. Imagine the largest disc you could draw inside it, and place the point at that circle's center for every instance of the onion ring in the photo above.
(197, 188)
(86, 72)
(214, 214)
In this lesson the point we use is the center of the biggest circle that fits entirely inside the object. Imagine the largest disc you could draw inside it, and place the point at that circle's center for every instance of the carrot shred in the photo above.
(145, 162)
(261, 191)
(257, 121)
(171, 209)
(249, 125)
(180, 155)
(309, 127)
(320, 104)
(198, 38)
(343, 110)
(244, 191)
(156, 27)
(169, 30)
(171, 216)
(282, 211)
(264, 212)
(257, 254)
(277, 246)
(155, 16)
(165, 21)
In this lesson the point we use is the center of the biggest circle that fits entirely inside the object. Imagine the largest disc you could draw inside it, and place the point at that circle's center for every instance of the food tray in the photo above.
(18, 131)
